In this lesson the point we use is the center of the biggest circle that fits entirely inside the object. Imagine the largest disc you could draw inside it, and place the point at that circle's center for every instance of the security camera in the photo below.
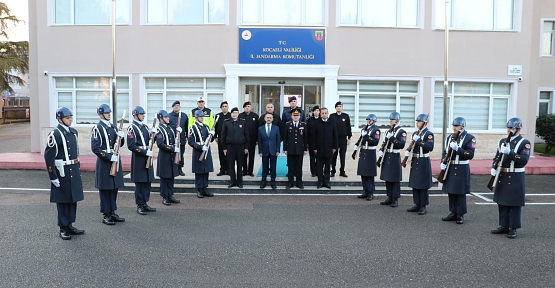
(520, 78)
(45, 72)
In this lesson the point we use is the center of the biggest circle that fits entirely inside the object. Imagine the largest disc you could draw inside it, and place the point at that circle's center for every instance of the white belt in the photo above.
(144, 147)
(416, 155)
(459, 162)
(71, 162)
(368, 148)
(508, 170)
(393, 151)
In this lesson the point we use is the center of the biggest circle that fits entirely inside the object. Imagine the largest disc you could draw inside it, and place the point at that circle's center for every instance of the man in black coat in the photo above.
(294, 146)
(251, 120)
(62, 162)
(179, 129)
(218, 127)
(392, 171)
(235, 138)
(344, 134)
(309, 126)
(166, 167)
(276, 119)
(324, 144)
(138, 142)
(103, 144)
(198, 135)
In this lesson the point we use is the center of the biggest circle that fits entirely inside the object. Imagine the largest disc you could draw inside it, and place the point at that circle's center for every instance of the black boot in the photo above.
(363, 195)
(199, 193)
(166, 201)
(74, 231)
(173, 200)
(394, 203)
(181, 172)
(108, 219)
(387, 201)
(116, 217)
(206, 193)
(422, 210)
(370, 197)
(148, 208)
(141, 210)
(512, 233)
(451, 217)
(414, 208)
(64, 234)
(500, 230)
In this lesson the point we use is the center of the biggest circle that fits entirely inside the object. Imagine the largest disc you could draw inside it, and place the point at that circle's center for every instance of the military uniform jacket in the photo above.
(165, 140)
(71, 187)
(510, 188)
(103, 141)
(420, 166)
(391, 165)
(367, 153)
(173, 123)
(324, 138)
(208, 117)
(343, 123)
(219, 124)
(457, 178)
(235, 132)
(251, 121)
(197, 136)
(286, 116)
(294, 142)
(138, 142)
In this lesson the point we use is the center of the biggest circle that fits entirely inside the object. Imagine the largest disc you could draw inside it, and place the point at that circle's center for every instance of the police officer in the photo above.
(138, 142)
(457, 179)
(370, 137)
(251, 120)
(324, 144)
(286, 115)
(103, 144)
(166, 167)
(208, 117)
(218, 126)
(309, 127)
(295, 146)
(510, 188)
(344, 134)
(174, 116)
(392, 172)
(62, 161)
(235, 138)
(420, 178)
(197, 139)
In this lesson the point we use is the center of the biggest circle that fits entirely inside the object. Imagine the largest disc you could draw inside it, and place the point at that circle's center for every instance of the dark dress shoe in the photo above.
(199, 194)
(166, 202)
(274, 186)
(263, 185)
(512, 233)
(422, 210)
(450, 217)
(206, 193)
(108, 219)
(244, 173)
(251, 174)
(220, 173)
(141, 210)
(394, 203)
(460, 220)
(230, 185)
(387, 201)
(313, 175)
(301, 186)
(240, 185)
(500, 230)
(74, 231)
(318, 186)
(64, 234)
(370, 197)
(332, 174)
(363, 195)
(148, 208)
(181, 173)
(327, 186)
(343, 175)
(173, 200)
(116, 218)
(288, 186)
(414, 208)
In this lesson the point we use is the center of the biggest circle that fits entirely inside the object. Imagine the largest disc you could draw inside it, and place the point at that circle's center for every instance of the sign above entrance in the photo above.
(282, 46)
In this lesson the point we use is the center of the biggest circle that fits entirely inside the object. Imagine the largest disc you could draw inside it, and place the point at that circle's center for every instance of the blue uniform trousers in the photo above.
(368, 184)
(509, 216)
(201, 180)
(420, 197)
(108, 200)
(66, 213)
(142, 192)
(457, 203)
(393, 189)
(166, 187)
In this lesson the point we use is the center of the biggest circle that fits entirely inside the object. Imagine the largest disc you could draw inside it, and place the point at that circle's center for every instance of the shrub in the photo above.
(545, 129)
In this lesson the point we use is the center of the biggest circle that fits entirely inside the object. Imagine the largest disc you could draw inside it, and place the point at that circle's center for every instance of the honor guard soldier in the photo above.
(367, 169)
(510, 187)
(391, 171)
(208, 117)
(420, 179)
(138, 139)
(344, 134)
(218, 126)
(103, 142)
(295, 146)
(235, 138)
(457, 178)
(251, 120)
(166, 167)
(174, 116)
(324, 144)
(200, 138)
(309, 127)
(62, 161)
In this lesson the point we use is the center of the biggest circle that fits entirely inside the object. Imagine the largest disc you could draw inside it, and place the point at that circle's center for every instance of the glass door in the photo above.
(271, 94)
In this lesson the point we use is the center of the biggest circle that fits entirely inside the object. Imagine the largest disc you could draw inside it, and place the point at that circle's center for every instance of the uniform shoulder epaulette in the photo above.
(288, 122)
(303, 122)
(227, 119)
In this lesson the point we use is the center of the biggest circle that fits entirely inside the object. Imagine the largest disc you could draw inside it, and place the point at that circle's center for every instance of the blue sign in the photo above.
(282, 46)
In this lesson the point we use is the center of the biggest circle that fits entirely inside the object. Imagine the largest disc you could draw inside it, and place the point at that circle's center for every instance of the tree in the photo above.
(14, 55)
(545, 129)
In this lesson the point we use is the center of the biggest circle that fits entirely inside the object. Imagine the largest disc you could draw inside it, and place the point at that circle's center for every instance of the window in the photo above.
(84, 94)
(486, 15)
(283, 12)
(178, 12)
(361, 98)
(484, 106)
(90, 12)
(548, 38)
(379, 13)
(162, 92)
(544, 104)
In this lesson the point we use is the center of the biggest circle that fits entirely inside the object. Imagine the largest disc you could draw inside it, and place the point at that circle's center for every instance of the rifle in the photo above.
(499, 161)
(150, 144)
(358, 142)
(447, 159)
(204, 154)
(178, 140)
(385, 144)
(115, 165)
(404, 163)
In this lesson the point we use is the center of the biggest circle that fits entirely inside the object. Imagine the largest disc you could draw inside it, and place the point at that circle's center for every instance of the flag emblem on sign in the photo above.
(319, 35)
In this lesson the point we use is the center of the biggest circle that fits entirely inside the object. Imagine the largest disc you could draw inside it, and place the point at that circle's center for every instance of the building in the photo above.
(374, 56)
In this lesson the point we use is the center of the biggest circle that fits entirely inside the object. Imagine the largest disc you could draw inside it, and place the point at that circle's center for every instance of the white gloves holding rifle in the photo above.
(211, 132)
(204, 148)
(381, 153)
(179, 129)
(114, 158)
(120, 134)
(454, 146)
(415, 137)
(356, 148)
(155, 130)
(493, 172)
(443, 166)
(505, 149)
(148, 153)
(56, 182)
(407, 153)
(364, 133)
(176, 149)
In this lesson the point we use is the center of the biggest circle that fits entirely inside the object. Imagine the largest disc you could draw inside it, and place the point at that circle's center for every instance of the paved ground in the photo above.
(15, 137)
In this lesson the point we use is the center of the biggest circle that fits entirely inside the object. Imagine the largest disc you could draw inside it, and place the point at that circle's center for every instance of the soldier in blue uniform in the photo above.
(103, 144)
(457, 179)
(174, 116)
(62, 161)
(420, 178)
(138, 142)
(391, 171)
(286, 115)
(367, 169)
(510, 188)
(198, 133)
(295, 147)
(166, 168)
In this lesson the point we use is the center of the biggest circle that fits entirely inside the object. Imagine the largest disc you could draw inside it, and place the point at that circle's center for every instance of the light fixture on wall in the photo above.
(281, 82)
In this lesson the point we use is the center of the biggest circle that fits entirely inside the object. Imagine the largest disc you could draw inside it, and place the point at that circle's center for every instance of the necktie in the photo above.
(268, 130)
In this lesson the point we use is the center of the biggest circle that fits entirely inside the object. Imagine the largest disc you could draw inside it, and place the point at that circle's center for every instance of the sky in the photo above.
(20, 9)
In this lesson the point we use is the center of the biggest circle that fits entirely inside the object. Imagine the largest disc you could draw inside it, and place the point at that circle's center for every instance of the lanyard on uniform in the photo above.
(512, 165)
(64, 143)
(108, 147)
(167, 137)
(198, 133)
(140, 134)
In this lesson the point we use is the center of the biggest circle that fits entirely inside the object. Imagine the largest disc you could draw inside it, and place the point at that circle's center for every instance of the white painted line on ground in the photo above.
(481, 197)
(547, 203)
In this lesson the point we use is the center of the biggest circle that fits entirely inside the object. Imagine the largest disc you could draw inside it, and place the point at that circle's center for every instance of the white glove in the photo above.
(493, 172)
(154, 130)
(176, 149)
(506, 150)
(356, 147)
(415, 137)
(407, 153)
(120, 134)
(443, 166)
(114, 158)
(211, 132)
(454, 146)
(56, 182)
(148, 153)
(389, 136)
(381, 153)
(204, 148)
(364, 133)
(179, 129)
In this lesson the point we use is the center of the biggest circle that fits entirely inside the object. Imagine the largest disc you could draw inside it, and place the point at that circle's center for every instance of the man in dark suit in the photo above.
(344, 134)
(309, 124)
(235, 138)
(179, 129)
(276, 121)
(324, 143)
(218, 127)
(268, 148)
(294, 146)
(251, 120)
